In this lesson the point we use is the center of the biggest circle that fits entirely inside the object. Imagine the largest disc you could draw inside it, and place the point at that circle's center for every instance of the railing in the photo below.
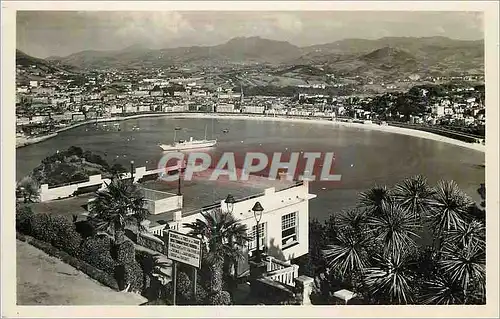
(276, 264)
(157, 230)
(285, 275)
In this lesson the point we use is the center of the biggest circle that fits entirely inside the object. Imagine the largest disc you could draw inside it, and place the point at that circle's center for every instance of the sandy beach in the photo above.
(319, 121)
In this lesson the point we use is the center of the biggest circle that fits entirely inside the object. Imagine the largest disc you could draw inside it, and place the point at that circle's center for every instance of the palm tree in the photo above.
(392, 279)
(414, 195)
(349, 253)
(449, 210)
(373, 199)
(394, 228)
(119, 205)
(467, 234)
(466, 266)
(442, 291)
(224, 237)
(29, 189)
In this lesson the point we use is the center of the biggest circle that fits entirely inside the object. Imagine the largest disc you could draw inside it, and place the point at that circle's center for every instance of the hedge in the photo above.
(220, 298)
(97, 252)
(91, 271)
(128, 269)
(67, 238)
(24, 216)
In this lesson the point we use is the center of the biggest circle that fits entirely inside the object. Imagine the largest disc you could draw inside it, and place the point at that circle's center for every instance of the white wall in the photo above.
(275, 204)
(47, 193)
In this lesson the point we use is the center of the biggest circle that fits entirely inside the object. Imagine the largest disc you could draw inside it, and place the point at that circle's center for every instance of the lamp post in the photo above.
(257, 213)
(230, 203)
(132, 171)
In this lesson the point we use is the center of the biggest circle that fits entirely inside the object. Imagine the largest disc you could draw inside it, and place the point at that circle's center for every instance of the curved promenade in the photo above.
(239, 116)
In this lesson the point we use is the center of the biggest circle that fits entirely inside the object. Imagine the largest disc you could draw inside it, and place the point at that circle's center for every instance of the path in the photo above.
(46, 280)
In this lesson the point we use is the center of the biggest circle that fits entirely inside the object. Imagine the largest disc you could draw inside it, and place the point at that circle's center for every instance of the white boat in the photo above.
(188, 145)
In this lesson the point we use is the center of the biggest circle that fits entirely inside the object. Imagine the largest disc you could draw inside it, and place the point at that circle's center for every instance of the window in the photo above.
(289, 229)
(252, 241)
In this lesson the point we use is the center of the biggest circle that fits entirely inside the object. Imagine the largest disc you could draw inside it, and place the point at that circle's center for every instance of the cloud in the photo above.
(289, 23)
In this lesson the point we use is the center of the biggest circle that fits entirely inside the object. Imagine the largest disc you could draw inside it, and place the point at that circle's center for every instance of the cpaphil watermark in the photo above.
(300, 166)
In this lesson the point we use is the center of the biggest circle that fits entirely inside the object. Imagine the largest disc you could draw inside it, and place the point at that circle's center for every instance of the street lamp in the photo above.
(132, 171)
(257, 213)
(230, 203)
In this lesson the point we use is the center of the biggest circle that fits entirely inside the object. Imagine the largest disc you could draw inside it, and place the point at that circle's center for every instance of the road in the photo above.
(46, 280)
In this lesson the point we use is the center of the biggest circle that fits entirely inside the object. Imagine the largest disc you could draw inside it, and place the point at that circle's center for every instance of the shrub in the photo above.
(184, 289)
(97, 252)
(91, 271)
(220, 298)
(131, 270)
(41, 227)
(201, 294)
(24, 216)
(66, 237)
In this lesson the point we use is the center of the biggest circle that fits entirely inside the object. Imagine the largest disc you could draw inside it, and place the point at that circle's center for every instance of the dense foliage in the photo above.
(377, 251)
(73, 165)
(119, 205)
(224, 237)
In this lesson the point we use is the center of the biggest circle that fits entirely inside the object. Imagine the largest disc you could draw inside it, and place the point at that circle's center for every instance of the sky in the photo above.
(51, 33)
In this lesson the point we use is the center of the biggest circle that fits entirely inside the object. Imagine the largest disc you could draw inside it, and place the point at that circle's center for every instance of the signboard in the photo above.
(184, 249)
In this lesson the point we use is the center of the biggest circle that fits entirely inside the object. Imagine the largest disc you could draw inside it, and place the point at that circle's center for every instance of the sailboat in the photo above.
(188, 145)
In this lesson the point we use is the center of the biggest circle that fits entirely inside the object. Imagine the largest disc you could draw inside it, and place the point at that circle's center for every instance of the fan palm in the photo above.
(449, 210)
(224, 237)
(119, 205)
(394, 228)
(414, 195)
(392, 279)
(373, 199)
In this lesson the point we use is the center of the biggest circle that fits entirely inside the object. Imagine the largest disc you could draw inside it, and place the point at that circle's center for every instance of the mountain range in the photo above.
(385, 56)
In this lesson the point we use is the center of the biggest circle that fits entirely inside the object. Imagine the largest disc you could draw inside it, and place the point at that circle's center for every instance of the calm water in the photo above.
(363, 157)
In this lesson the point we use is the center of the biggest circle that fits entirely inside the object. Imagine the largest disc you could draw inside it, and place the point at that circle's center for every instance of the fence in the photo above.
(281, 271)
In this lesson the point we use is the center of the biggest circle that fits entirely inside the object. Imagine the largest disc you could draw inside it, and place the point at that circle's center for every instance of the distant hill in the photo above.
(381, 57)
(43, 67)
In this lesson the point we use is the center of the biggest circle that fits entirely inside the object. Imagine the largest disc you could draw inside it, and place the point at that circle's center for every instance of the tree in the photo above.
(224, 237)
(394, 228)
(466, 266)
(414, 195)
(373, 199)
(349, 253)
(119, 205)
(391, 281)
(29, 189)
(449, 210)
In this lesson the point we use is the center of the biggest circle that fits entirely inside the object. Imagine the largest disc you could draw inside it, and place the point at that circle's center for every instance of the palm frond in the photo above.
(450, 208)
(373, 199)
(414, 195)
(442, 291)
(392, 279)
(395, 228)
(464, 265)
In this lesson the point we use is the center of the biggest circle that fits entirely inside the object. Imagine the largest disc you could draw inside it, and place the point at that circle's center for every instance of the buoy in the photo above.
(241, 141)
(352, 165)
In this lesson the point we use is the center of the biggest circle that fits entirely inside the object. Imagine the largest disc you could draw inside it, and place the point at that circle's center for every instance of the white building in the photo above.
(284, 227)
(225, 108)
(254, 109)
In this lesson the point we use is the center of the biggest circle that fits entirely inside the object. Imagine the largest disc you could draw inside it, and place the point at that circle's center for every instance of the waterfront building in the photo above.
(283, 227)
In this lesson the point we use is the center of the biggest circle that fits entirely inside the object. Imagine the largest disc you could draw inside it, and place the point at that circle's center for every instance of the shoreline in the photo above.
(382, 128)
